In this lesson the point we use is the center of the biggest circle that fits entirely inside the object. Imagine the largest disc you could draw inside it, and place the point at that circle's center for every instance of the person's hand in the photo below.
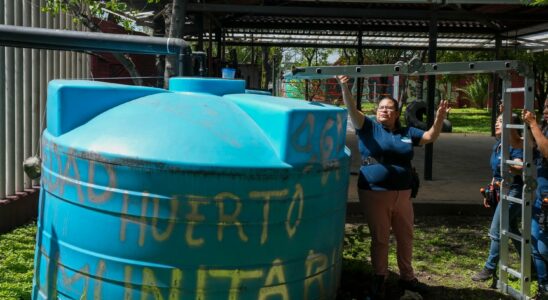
(501, 108)
(528, 117)
(485, 203)
(443, 109)
(342, 79)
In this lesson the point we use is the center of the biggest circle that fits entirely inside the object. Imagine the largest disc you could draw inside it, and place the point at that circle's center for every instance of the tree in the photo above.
(477, 91)
(539, 62)
(305, 57)
(86, 11)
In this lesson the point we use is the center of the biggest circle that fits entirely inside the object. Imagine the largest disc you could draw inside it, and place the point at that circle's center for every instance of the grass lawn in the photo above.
(16, 262)
(448, 250)
(470, 120)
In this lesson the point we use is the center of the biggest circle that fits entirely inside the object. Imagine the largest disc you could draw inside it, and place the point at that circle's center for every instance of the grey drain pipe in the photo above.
(52, 39)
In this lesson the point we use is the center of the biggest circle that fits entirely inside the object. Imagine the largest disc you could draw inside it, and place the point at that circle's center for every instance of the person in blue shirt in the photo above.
(515, 189)
(384, 183)
(539, 228)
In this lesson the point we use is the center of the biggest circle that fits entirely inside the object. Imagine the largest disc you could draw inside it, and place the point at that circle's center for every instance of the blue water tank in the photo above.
(197, 192)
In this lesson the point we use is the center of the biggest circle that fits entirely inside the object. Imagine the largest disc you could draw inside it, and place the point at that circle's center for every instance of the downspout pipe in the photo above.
(41, 38)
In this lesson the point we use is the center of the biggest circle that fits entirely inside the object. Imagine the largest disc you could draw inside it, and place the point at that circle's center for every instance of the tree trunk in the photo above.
(176, 19)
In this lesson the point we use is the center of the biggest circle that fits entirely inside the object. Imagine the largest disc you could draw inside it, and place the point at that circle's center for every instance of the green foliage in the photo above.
(16, 262)
(539, 62)
(301, 57)
(477, 91)
(86, 9)
(456, 56)
(535, 2)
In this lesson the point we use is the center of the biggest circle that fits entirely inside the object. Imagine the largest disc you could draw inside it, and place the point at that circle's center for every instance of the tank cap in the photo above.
(215, 86)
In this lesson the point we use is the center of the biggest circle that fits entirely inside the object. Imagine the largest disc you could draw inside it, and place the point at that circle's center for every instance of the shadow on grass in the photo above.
(356, 279)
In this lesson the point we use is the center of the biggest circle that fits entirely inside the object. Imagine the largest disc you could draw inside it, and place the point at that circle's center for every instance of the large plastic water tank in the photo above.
(200, 192)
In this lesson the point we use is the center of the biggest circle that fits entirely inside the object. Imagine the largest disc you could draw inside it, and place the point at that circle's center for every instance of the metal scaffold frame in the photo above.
(503, 68)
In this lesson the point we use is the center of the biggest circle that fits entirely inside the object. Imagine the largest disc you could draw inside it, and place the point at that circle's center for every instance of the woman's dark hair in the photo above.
(397, 108)
(515, 120)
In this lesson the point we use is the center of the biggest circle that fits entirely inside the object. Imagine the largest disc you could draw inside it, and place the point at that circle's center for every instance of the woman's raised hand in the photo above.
(443, 109)
(342, 79)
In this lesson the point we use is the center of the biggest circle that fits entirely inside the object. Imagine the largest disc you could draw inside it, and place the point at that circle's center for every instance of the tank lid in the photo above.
(189, 130)
(215, 86)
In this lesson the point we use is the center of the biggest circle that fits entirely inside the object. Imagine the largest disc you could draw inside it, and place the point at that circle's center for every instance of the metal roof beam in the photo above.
(528, 30)
(341, 12)
(351, 27)
(339, 46)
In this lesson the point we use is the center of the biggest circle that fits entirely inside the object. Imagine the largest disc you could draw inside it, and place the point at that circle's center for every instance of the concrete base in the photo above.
(18, 210)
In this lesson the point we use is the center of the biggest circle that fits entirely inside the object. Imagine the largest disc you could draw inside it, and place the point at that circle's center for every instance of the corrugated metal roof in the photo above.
(329, 23)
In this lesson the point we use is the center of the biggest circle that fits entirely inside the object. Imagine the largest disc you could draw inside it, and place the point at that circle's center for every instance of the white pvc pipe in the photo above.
(3, 145)
(80, 58)
(74, 63)
(56, 54)
(37, 81)
(87, 73)
(10, 105)
(27, 97)
(68, 54)
(50, 63)
(19, 130)
(62, 69)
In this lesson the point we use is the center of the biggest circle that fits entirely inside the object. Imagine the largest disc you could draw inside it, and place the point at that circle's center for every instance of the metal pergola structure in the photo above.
(465, 24)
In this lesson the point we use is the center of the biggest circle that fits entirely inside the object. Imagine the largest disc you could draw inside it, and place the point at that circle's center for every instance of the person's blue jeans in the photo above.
(539, 242)
(514, 212)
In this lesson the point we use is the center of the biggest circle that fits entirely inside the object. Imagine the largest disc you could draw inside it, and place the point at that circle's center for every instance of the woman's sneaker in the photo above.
(413, 285)
(542, 292)
(484, 275)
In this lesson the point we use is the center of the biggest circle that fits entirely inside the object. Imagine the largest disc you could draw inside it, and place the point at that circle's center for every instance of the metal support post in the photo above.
(496, 96)
(359, 85)
(2, 112)
(429, 148)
